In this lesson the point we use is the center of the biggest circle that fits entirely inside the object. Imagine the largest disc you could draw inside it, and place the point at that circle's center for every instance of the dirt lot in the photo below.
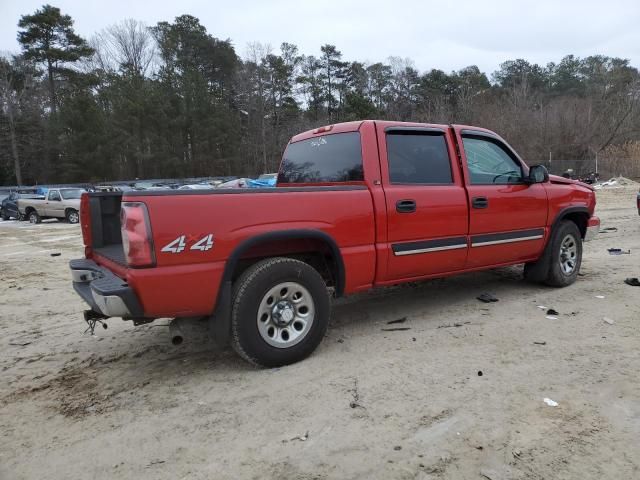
(459, 395)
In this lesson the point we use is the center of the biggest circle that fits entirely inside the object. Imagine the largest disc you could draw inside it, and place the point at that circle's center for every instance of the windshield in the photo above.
(72, 193)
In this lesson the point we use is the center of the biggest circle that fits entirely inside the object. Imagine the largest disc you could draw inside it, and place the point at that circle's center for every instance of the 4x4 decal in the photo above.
(180, 244)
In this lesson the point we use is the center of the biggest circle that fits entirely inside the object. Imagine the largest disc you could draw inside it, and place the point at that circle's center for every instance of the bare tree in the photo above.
(127, 45)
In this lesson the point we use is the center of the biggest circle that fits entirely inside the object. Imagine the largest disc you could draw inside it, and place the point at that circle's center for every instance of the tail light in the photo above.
(136, 235)
(85, 223)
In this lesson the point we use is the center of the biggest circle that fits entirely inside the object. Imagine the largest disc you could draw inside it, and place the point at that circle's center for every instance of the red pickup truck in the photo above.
(357, 205)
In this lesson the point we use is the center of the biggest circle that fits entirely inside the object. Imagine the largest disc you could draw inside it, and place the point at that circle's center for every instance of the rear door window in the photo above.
(329, 158)
(54, 196)
(418, 158)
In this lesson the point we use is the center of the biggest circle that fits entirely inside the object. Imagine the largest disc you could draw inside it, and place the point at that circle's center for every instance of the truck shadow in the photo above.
(427, 301)
(123, 369)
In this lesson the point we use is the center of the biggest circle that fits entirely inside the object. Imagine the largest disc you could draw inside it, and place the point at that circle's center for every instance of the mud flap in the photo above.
(220, 321)
(539, 271)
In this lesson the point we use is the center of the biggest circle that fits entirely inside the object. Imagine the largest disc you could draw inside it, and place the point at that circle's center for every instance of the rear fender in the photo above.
(220, 321)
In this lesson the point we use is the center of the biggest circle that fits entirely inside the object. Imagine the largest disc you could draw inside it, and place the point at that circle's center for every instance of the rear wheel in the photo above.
(72, 216)
(34, 217)
(280, 312)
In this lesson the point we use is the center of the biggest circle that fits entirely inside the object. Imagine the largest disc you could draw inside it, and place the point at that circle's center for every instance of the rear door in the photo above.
(427, 213)
(507, 217)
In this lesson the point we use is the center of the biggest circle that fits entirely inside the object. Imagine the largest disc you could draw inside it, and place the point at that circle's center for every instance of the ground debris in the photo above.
(399, 320)
(395, 329)
(302, 438)
(539, 343)
(454, 325)
(618, 251)
(487, 298)
(355, 401)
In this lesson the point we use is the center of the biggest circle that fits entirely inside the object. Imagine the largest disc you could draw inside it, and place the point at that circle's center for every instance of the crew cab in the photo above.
(357, 205)
(56, 203)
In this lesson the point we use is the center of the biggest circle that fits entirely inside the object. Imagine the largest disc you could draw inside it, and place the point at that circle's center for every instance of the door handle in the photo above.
(479, 202)
(406, 206)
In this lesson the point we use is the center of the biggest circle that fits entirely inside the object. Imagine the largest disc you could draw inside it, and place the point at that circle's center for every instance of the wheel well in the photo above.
(317, 252)
(28, 210)
(69, 209)
(580, 219)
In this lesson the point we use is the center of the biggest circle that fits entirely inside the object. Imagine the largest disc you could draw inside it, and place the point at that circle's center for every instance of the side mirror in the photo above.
(538, 174)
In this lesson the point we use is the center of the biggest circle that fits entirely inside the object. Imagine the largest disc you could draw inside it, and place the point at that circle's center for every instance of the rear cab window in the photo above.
(323, 159)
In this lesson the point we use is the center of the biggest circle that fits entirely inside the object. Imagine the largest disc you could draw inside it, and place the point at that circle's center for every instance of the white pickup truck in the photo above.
(63, 203)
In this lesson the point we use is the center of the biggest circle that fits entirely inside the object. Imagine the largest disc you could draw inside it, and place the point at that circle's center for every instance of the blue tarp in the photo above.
(266, 183)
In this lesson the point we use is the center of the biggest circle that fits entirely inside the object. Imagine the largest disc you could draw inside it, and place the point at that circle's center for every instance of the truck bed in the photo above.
(106, 238)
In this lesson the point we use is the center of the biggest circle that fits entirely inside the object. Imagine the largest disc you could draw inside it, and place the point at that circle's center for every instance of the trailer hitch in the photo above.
(92, 317)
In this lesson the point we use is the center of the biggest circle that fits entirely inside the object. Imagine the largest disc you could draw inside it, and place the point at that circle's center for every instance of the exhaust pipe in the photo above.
(175, 332)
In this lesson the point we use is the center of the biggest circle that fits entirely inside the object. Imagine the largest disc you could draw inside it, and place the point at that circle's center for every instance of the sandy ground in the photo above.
(459, 395)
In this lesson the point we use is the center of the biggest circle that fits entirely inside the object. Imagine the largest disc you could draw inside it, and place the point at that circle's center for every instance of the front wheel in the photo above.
(72, 216)
(280, 312)
(564, 254)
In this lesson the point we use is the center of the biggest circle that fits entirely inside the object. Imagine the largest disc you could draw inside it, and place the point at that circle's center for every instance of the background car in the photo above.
(9, 204)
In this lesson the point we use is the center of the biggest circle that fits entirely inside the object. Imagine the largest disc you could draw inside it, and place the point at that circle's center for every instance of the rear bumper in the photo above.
(103, 291)
(593, 227)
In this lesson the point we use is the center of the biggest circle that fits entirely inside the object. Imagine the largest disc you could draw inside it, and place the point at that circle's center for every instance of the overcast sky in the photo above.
(444, 35)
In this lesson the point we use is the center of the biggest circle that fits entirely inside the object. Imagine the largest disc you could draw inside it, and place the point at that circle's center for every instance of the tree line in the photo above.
(172, 100)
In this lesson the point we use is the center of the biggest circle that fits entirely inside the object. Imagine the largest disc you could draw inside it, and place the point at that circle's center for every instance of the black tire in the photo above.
(72, 216)
(21, 217)
(549, 269)
(34, 217)
(5, 215)
(252, 288)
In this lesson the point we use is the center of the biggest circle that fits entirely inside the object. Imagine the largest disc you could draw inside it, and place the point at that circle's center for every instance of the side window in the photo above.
(418, 158)
(489, 163)
(54, 196)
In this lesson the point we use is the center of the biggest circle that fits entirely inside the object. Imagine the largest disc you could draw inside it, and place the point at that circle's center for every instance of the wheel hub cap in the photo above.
(285, 314)
(568, 254)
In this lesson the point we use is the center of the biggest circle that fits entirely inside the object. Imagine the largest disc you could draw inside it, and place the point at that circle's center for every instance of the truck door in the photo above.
(53, 205)
(507, 216)
(11, 205)
(427, 213)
